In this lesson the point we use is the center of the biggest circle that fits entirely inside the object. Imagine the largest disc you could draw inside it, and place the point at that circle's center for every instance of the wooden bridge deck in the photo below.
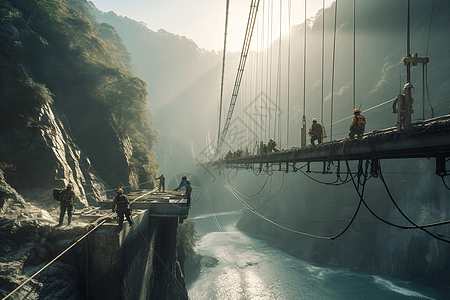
(430, 138)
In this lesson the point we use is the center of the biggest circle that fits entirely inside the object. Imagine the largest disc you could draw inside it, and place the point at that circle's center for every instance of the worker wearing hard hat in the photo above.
(400, 102)
(187, 184)
(66, 197)
(358, 125)
(316, 132)
(272, 146)
(123, 208)
(162, 183)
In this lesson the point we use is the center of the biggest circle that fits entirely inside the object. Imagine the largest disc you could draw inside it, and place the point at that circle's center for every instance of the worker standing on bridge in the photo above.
(272, 146)
(162, 183)
(187, 184)
(315, 131)
(67, 196)
(358, 125)
(123, 205)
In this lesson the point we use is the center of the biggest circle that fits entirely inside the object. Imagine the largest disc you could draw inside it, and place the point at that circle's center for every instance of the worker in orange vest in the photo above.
(315, 131)
(358, 125)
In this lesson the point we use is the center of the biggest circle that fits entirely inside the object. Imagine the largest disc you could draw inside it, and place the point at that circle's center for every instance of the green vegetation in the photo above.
(186, 239)
(52, 48)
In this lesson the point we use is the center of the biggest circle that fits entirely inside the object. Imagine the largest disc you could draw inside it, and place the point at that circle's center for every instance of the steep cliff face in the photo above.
(368, 244)
(70, 111)
(45, 156)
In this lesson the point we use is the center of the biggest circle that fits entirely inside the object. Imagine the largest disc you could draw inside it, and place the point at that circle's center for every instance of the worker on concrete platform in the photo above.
(358, 125)
(66, 198)
(187, 184)
(316, 132)
(272, 146)
(162, 183)
(123, 208)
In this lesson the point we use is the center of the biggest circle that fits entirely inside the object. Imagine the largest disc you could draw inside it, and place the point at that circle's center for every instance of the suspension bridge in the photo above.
(425, 138)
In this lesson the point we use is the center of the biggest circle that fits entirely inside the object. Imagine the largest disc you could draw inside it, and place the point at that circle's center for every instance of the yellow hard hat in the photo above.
(69, 185)
(356, 111)
(314, 120)
(120, 191)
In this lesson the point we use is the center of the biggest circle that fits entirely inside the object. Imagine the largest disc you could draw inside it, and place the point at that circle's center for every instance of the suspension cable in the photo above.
(231, 189)
(248, 37)
(223, 66)
(401, 212)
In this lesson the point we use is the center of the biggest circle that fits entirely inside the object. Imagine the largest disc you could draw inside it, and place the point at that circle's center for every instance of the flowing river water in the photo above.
(249, 268)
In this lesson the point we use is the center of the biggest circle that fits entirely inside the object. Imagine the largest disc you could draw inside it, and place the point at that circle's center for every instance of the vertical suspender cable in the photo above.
(354, 57)
(281, 81)
(223, 68)
(426, 55)
(408, 51)
(271, 56)
(263, 108)
(248, 37)
(332, 72)
(304, 85)
(289, 73)
(278, 100)
(267, 72)
(323, 55)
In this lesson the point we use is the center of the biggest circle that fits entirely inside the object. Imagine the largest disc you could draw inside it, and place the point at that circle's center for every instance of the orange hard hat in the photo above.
(69, 185)
(314, 120)
(356, 111)
(120, 191)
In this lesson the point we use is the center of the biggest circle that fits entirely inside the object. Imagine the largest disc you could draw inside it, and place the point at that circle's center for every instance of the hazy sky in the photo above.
(203, 21)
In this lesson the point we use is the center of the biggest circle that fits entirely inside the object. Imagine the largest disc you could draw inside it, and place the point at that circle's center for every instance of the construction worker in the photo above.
(123, 205)
(272, 146)
(358, 125)
(162, 183)
(400, 101)
(187, 184)
(67, 196)
(315, 131)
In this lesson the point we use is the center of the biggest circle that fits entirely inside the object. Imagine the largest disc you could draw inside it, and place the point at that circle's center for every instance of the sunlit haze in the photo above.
(203, 21)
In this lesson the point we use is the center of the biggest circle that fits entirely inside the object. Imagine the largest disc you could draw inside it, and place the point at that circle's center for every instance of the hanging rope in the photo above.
(445, 184)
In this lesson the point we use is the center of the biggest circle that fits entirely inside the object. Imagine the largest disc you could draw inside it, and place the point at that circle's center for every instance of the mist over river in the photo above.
(250, 268)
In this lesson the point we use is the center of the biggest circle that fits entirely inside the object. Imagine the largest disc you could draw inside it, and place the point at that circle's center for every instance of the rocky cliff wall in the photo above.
(368, 244)
(139, 262)
(45, 156)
